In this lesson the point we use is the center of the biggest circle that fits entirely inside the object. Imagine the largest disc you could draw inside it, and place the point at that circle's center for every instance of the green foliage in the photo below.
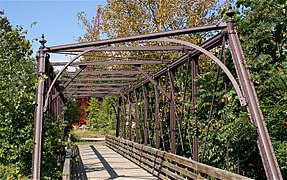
(264, 35)
(101, 114)
(53, 149)
(17, 96)
(10, 173)
(17, 107)
(71, 114)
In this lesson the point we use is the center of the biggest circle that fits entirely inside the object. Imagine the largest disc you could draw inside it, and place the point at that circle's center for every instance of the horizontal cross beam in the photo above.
(138, 48)
(112, 72)
(86, 95)
(100, 85)
(93, 89)
(87, 92)
(70, 47)
(111, 63)
(102, 79)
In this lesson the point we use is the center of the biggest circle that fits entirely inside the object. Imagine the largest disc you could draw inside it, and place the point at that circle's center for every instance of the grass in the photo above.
(97, 143)
(88, 133)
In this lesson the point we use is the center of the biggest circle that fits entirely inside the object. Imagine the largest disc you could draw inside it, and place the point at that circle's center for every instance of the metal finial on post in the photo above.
(42, 41)
(230, 13)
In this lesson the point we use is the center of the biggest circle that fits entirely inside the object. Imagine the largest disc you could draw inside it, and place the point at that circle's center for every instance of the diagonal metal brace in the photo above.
(153, 82)
(68, 82)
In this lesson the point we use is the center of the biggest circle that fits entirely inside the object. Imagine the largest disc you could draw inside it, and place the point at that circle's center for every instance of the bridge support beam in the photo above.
(264, 143)
(172, 112)
(156, 112)
(193, 104)
(38, 122)
(137, 116)
(130, 117)
(124, 118)
(118, 117)
(145, 115)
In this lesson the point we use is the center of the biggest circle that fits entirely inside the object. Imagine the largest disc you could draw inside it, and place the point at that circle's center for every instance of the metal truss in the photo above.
(128, 79)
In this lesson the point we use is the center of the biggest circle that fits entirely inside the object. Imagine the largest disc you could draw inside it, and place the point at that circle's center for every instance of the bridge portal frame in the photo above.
(50, 97)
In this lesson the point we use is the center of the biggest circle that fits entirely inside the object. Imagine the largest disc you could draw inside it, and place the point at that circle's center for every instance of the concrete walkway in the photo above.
(100, 162)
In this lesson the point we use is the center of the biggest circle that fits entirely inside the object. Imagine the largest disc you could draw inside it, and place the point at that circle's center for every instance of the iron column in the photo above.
(264, 143)
(38, 122)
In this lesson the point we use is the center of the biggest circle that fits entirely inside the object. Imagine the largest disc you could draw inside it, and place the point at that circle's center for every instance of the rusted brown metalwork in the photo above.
(157, 118)
(118, 117)
(93, 63)
(193, 106)
(38, 122)
(264, 143)
(124, 132)
(137, 116)
(124, 76)
(101, 79)
(70, 47)
(139, 48)
(172, 113)
(130, 117)
(145, 115)
(110, 72)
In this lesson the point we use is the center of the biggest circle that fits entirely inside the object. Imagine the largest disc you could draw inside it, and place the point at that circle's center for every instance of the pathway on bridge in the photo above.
(100, 162)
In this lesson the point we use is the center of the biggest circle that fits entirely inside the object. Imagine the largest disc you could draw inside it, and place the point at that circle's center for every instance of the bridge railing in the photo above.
(166, 165)
(66, 175)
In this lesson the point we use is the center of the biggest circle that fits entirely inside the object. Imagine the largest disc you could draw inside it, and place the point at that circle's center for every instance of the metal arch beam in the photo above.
(209, 44)
(242, 99)
(59, 74)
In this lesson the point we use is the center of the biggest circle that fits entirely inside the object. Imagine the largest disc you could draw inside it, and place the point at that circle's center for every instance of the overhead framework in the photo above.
(117, 74)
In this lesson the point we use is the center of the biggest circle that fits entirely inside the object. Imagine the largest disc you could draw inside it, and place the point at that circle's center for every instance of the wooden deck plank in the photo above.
(100, 162)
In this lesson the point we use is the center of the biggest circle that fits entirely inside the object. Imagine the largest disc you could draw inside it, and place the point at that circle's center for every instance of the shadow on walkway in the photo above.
(80, 172)
(107, 166)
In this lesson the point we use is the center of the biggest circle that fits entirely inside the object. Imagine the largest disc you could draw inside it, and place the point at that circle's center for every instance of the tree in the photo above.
(263, 31)
(130, 17)
(101, 114)
(17, 106)
(17, 96)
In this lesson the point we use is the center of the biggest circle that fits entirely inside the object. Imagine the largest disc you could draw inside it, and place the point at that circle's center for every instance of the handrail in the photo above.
(166, 165)
(66, 175)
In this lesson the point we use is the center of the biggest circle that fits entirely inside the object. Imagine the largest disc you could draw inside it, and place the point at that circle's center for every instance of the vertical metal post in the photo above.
(137, 116)
(172, 112)
(193, 104)
(130, 117)
(124, 118)
(264, 143)
(156, 109)
(118, 117)
(38, 122)
(145, 115)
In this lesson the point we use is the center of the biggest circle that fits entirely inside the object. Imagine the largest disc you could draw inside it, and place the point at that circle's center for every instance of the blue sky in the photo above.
(57, 19)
